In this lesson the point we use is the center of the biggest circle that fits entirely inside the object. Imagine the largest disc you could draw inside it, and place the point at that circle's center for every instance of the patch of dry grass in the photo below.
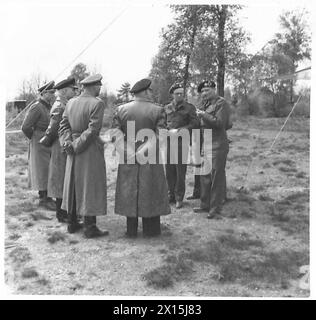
(237, 258)
(43, 281)
(258, 188)
(287, 162)
(174, 269)
(27, 206)
(13, 210)
(40, 216)
(56, 236)
(14, 236)
(287, 169)
(300, 175)
(264, 197)
(20, 255)
(29, 272)
(299, 195)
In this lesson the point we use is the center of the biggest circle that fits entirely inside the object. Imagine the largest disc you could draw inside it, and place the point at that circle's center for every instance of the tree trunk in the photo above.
(291, 92)
(189, 53)
(221, 59)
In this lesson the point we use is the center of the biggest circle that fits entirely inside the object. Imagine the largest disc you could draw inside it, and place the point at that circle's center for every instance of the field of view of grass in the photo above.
(259, 248)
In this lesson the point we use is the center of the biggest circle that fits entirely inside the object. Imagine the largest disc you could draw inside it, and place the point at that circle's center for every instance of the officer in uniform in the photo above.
(34, 126)
(215, 115)
(180, 115)
(84, 191)
(141, 189)
(66, 89)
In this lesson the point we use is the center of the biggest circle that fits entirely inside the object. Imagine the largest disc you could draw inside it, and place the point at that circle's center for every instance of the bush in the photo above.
(303, 107)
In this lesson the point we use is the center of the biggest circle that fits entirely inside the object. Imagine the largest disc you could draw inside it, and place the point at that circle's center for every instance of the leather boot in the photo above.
(90, 228)
(151, 227)
(131, 227)
(61, 214)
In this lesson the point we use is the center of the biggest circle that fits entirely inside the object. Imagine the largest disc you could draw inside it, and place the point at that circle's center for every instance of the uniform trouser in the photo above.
(42, 194)
(175, 174)
(151, 226)
(197, 182)
(87, 220)
(197, 186)
(59, 210)
(213, 185)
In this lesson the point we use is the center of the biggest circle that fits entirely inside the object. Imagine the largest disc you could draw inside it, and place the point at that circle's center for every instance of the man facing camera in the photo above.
(180, 115)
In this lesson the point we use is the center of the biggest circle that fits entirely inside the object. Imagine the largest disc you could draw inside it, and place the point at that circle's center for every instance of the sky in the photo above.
(44, 37)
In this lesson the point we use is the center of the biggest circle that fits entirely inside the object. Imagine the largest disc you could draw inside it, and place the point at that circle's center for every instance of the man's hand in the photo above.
(199, 112)
(68, 148)
(45, 141)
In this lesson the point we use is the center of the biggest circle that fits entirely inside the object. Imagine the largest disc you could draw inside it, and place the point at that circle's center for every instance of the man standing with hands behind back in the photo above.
(84, 191)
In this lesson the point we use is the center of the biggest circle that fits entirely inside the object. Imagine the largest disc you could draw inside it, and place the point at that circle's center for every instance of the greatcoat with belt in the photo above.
(213, 185)
(85, 173)
(34, 125)
(141, 189)
(58, 158)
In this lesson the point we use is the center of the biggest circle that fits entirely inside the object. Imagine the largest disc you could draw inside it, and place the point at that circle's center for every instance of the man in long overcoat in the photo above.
(141, 189)
(34, 126)
(84, 191)
(215, 115)
(66, 89)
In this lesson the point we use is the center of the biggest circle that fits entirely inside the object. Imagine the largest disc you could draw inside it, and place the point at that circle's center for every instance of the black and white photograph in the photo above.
(156, 149)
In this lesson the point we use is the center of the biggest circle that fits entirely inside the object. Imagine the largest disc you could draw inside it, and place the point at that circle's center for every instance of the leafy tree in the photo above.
(196, 46)
(28, 90)
(123, 92)
(79, 72)
(294, 41)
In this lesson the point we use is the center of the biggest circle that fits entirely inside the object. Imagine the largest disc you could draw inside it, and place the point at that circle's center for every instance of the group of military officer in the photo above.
(66, 155)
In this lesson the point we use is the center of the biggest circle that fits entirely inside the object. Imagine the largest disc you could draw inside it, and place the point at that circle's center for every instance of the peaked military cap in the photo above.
(174, 87)
(94, 80)
(47, 87)
(69, 82)
(140, 86)
(206, 84)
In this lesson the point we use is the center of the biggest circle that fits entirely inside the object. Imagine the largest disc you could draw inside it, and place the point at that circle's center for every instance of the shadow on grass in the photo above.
(174, 269)
(236, 258)
(29, 273)
(291, 214)
(56, 236)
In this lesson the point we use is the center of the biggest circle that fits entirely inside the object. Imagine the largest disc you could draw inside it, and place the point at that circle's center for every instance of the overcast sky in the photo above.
(43, 37)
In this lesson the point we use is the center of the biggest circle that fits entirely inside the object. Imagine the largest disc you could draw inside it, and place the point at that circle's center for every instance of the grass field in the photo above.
(257, 249)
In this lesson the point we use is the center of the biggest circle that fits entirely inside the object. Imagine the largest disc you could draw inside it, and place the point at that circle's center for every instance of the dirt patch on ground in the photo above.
(257, 249)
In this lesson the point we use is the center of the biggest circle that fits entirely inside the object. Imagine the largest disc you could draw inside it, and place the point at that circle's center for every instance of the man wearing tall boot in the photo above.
(180, 115)
(34, 126)
(214, 115)
(141, 189)
(84, 192)
(66, 90)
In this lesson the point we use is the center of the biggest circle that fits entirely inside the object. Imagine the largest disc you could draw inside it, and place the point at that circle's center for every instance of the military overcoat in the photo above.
(34, 125)
(58, 158)
(141, 190)
(85, 173)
